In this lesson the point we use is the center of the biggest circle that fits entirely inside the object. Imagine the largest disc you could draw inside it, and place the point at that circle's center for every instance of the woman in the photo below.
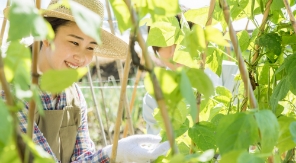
(63, 130)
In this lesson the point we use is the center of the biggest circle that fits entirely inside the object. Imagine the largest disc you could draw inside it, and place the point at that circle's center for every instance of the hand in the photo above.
(138, 148)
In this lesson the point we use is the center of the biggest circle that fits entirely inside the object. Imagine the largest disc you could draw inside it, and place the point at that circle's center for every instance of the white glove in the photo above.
(138, 148)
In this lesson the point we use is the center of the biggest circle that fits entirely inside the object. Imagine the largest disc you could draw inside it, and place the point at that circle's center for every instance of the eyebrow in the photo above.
(80, 38)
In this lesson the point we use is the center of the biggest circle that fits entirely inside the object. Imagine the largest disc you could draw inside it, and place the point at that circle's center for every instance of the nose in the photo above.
(79, 58)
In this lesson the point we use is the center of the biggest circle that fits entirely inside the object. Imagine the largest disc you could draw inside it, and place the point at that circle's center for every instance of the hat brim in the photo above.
(111, 47)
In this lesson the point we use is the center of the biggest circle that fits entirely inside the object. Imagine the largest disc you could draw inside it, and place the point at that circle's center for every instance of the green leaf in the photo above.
(18, 60)
(201, 82)
(23, 13)
(271, 41)
(88, 21)
(124, 20)
(214, 35)
(269, 131)
(197, 16)
(263, 74)
(243, 40)
(164, 32)
(231, 157)
(203, 135)
(249, 157)
(285, 141)
(55, 81)
(293, 130)
(7, 126)
(160, 8)
(187, 93)
(214, 60)
(9, 152)
(277, 5)
(236, 132)
(279, 92)
(223, 91)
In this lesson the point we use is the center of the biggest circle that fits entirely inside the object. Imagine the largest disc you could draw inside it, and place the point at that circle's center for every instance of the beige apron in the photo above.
(59, 127)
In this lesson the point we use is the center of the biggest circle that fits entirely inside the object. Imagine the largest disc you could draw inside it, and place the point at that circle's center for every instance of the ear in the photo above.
(46, 43)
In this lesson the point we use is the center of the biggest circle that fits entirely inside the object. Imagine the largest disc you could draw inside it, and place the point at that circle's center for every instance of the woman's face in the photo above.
(72, 49)
(166, 55)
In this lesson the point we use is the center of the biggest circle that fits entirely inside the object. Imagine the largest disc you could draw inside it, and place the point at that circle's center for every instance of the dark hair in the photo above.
(55, 24)
(178, 17)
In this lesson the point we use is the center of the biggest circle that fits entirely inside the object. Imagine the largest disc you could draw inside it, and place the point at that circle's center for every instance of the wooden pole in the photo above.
(103, 99)
(96, 106)
(291, 15)
(242, 68)
(120, 72)
(138, 77)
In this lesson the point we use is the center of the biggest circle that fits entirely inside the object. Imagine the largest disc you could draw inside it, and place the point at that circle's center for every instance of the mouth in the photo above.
(71, 65)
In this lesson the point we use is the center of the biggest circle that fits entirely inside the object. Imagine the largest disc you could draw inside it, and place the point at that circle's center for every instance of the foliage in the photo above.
(255, 135)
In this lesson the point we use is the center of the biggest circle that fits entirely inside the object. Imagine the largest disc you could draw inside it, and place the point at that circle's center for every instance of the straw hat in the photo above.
(111, 47)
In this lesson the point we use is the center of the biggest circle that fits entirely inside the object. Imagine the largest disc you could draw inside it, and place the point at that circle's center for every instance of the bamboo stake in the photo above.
(204, 56)
(138, 76)
(261, 29)
(157, 90)
(120, 109)
(120, 72)
(96, 106)
(128, 114)
(292, 18)
(242, 68)
(103, 99)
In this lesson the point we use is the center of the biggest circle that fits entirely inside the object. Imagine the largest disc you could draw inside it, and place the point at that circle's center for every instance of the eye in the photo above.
(90, 48)
(74, 43)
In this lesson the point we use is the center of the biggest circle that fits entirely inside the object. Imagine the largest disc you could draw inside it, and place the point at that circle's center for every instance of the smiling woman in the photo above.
(63, 130)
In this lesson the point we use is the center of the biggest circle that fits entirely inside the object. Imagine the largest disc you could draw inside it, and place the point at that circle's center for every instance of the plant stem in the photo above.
(291, 15)
(241, 63)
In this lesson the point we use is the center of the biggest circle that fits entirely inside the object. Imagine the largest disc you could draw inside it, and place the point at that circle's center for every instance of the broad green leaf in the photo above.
(177, 158)
(88, 21)
(201, 82)
(216, 119)
(18, 60)
(39, 154)
(214, 111)
(263, 74)
(214, 35)
(187, 93)
(177, 132)
(6, 125)
(223, 91)
(269, 132)
(285, 141)
(9, 152)
(214, 60)
(231, 157)
(279, 92)
(160, 8)
(164, 32)
(293, 130)
(243, 40)
(277, 5)
(23, 13)
(249, 157)
(288, 39)
(203, 135)
(198, 16)
(271, 41)
(183, 56)
(124, 20)
(236, 132)
(237, 7)
(55, 81)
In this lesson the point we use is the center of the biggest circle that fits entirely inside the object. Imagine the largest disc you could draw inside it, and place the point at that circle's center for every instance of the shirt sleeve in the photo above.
(149, 104)
(84, 150)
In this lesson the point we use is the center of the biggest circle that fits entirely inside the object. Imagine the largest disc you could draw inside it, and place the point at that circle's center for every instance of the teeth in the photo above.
(70, 65)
